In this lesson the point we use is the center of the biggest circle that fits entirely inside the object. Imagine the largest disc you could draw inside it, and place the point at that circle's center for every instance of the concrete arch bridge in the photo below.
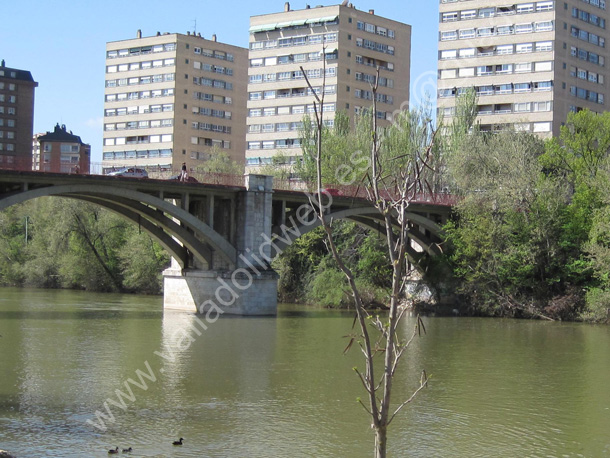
(221, 234)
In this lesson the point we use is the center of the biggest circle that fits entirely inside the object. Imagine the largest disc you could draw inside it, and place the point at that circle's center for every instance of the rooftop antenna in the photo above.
(195, 27)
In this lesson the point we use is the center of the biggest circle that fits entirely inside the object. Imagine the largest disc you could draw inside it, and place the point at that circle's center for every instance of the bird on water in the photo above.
(178, 442)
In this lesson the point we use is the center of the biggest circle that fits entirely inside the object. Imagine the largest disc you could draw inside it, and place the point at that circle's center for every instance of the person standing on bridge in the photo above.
(183, 173)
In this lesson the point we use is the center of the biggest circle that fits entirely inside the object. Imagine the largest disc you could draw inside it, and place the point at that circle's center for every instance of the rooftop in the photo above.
(15, 73)
(60, 134)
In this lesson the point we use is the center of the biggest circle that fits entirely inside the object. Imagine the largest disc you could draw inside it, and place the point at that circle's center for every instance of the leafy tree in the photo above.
(72, 244)
(530, 226)
(220, 162)
(12, 242)
(141, 261)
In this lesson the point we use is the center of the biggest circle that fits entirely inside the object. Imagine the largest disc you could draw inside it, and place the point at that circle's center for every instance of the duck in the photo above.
(127, 450)
(113, 452)
(178, 442)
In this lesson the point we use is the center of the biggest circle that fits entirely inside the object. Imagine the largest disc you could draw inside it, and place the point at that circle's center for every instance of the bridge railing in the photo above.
(238, 180)
(224, 179)
(360, 192)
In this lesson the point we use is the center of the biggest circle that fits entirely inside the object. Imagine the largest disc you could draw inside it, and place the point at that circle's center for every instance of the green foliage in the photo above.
(220, 162)
(329, 288)
(598, 306)
(308, 273)
(140, 260)
(345, 159)
(533, 229)
(581, 148)
(72, 244)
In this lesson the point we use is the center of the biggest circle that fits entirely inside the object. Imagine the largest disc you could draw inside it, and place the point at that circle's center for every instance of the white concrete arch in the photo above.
(358, 214)
(128, 198)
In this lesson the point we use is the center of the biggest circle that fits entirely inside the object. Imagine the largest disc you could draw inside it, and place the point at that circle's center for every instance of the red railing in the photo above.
(226, 179)
(361, 192)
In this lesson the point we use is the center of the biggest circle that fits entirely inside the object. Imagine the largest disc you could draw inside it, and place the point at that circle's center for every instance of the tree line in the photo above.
(530, 235)
(54, 242)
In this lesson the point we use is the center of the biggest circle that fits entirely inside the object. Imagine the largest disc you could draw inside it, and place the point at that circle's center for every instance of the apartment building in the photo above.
(339, 49)
(60, 151)
(531, 63)
(16, 117)
(173, 98)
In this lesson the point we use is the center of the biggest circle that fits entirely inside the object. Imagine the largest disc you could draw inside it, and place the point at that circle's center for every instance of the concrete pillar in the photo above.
(249, 289)
(254, 214)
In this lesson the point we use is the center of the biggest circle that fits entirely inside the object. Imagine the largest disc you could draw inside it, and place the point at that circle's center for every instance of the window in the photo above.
(521, 87)
(525, 8)
(523, 28)
(487, 12)
(467, 33)
(465, 72)
(504, 68)
(544, 66)
(449, 17)
(504, 49)
(468, 14)
(504, 30)
(524, 47)
(544, 26)
(445, 74)
(542, 106)
(522, 107)
(542, 127)
(467, 52)
(445, 36)
(544, 6)
(543, 85)
(485, 70)
(544, 46)
(449, 54)
(523, 67)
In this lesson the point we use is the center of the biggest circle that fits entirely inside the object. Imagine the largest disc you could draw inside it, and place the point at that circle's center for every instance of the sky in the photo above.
(63, 44)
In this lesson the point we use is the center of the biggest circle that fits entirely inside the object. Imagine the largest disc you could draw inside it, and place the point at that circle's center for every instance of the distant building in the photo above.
(531, 63)
(61, 151)
(16, 118)
(173, 98)
(350, 44)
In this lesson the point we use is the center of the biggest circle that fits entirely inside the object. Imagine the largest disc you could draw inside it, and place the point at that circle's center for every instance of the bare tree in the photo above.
(400, 163)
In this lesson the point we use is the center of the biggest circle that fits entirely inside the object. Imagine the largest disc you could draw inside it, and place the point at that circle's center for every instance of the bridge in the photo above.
(223, 233)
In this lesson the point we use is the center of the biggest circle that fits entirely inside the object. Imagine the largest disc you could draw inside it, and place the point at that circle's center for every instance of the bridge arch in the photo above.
(367, 216)
(156, 216)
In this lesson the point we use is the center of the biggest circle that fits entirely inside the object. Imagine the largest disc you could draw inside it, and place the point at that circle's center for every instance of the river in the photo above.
(281, 387)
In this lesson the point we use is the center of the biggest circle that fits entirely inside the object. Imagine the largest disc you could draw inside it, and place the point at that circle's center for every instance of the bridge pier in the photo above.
(237, 292)
(249, 286)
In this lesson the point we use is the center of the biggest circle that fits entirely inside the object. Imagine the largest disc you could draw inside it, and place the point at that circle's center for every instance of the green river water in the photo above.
(281, 387)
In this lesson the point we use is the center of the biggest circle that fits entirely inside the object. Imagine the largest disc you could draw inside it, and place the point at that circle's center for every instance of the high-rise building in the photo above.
(353, 43)
(16, 118)
(530, 63)
(173, 98)
(60, 151)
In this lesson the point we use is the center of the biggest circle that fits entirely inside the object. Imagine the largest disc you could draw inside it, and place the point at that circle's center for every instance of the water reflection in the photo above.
(282, 386)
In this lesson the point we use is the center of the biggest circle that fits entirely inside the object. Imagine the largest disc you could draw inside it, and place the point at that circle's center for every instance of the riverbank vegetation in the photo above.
(55, 242)
(530, 235)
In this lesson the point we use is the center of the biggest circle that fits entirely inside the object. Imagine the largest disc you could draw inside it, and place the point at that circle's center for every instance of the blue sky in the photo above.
(63, 44)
